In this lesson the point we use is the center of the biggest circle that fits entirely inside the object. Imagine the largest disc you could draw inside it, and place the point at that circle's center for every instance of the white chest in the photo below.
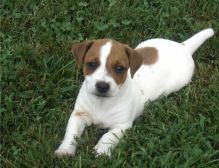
(107, 112)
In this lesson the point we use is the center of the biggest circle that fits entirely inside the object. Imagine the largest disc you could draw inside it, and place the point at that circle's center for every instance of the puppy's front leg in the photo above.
(75, 127)
(109, 141)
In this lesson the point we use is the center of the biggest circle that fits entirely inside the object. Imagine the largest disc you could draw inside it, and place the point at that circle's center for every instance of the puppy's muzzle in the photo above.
(102, 87)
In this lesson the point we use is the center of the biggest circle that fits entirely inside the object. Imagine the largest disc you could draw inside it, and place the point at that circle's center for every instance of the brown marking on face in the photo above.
(149, 54)
(121, 55)
(87, 52)
(124, 56)
(81, 114)
(117, 57)
(93, 55)
(88, 70)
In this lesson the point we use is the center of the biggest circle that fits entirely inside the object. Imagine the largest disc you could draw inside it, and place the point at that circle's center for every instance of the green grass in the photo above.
(39, 83)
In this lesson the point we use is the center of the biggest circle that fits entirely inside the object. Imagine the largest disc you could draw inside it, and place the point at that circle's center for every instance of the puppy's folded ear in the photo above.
(135, 59)
(79, 51)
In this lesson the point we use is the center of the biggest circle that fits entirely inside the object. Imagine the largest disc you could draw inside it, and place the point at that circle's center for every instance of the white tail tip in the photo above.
(209, 32)
(198, 39)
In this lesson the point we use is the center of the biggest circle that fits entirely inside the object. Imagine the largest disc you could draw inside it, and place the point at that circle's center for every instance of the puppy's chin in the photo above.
(101, 95)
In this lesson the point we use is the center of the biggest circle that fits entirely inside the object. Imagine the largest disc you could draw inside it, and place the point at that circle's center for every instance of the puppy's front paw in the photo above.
(65, 150)
(103, 149)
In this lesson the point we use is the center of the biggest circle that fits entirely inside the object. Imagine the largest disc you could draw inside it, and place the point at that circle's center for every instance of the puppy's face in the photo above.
(105, 65)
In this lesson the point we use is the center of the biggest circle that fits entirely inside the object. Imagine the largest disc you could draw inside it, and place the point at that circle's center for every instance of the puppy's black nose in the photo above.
(102, 87)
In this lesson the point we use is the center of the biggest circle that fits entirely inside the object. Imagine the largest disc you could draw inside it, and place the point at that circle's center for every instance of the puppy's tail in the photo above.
(198, 39)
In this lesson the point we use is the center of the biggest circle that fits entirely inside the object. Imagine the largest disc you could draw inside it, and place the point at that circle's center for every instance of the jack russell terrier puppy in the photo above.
(119, 80)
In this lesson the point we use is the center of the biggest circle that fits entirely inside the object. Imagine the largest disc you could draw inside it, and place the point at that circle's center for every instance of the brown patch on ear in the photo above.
(79, 50)
(135, 59)
(149, 54)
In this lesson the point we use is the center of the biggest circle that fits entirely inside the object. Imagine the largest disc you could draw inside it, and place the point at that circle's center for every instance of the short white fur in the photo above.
(172, 71)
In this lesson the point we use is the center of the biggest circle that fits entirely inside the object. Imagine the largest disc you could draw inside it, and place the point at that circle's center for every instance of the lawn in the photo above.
(39, 83)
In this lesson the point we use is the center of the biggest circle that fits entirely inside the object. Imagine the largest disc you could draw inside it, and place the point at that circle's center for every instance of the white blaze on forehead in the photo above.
(104, 53)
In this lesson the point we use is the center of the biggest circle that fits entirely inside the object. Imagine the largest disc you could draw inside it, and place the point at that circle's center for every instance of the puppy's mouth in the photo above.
(101, 95)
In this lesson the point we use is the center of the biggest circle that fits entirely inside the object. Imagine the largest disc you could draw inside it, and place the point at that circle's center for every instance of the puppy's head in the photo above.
(106, 64)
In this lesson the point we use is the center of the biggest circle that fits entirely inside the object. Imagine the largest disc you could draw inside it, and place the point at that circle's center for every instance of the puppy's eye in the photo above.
(92, 65)
(119, 69)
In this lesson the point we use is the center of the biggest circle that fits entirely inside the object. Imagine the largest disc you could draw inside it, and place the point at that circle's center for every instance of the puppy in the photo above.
(119, 80)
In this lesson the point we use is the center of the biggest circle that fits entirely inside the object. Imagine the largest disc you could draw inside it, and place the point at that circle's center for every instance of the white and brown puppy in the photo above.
(119, 80)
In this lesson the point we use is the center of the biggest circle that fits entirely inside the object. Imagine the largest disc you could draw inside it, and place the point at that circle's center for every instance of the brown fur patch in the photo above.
(79, 50)
(93, 54)
(135, 60)
(122, 55)
(149, 54)
(117, 57)
(81, 114)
